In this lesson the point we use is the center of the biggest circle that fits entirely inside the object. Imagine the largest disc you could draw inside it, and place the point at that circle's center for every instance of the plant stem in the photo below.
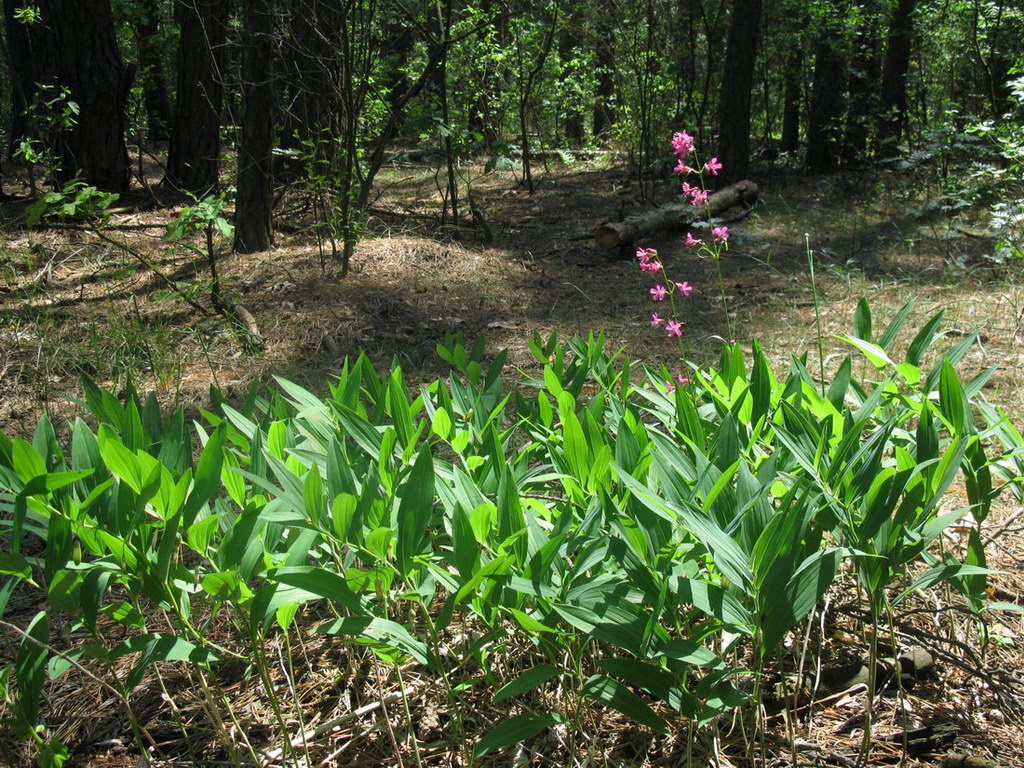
(817, 311)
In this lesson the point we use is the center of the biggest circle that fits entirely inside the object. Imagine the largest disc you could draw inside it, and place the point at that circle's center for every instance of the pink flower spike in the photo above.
(682, 143)
(656, 320)
(682, 167)
(712, 166)
(672, 328)
(684, 288)
(658, 293)
(721, 234)
(643, 255)
(693, 241)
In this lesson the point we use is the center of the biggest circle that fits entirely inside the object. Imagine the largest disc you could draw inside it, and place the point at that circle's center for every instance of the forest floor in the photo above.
(70, 307)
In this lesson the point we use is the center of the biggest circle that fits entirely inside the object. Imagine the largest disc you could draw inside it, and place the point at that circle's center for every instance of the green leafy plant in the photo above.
(643, 551)
(77, 201)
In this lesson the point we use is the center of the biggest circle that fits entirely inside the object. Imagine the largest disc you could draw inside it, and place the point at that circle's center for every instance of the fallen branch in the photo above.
(673, 216)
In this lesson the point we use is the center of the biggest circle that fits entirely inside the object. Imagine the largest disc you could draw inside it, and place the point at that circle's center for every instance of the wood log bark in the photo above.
(673, 216)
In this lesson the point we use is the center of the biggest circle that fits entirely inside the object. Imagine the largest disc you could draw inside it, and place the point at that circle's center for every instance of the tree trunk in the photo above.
(604, 114)
(793, 93)
(737, 87)
(194, 154)
(568, 52)
(673, 216)
(894, 78)
(151, 72)
(254, 203)
(73, 46)
(824, 127)
(22, 60)
(863, 90)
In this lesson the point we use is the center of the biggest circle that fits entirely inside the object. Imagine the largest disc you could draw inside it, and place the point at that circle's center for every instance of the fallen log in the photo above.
(673, 216)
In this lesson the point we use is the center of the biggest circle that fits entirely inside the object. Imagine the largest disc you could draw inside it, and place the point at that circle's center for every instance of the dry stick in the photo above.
(103, 683)
(330, 725)
(946, 656)
(150, 266)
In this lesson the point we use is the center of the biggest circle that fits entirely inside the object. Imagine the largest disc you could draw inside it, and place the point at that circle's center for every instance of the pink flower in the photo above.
(712, 166)
(650, 266)
(656, 320)
(682, 379)
(658, 293)
(698, 196)
(644, 255)
(721, 234)
(682, 167)
(684, 288)
(693, 241)
(682, 143)
(672, 328)
(689, 189)
(670, 386)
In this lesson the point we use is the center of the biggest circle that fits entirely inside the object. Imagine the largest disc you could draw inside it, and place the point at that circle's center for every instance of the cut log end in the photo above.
(673, 216)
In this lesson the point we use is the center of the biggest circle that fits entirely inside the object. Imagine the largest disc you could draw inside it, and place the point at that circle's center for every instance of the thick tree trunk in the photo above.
(194, 153)
(894, 78)
(254, 203)
(737, 86)
(151, 72)
(22, 60)
(73, 46)
(673, 216)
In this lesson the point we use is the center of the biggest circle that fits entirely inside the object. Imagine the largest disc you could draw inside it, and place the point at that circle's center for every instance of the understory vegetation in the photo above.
(529, 558)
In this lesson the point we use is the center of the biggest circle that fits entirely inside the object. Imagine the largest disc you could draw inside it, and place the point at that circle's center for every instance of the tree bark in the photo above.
(151, 72)
(673, 216)
(863, 86)
(894, 78)
(604, 114)
(790, 140)
(193, 158)
(824, 128)
(737, 86)
(73, 46)
(254, 203)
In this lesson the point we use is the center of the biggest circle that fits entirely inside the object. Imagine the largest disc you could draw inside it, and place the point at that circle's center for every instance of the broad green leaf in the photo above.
(379, 630)
(614, 694)
(924, 339)
(321, 583)
(691, 652)
(415, 510)
(514, 730)
(872, 352)
(532, 678)
(862, 320)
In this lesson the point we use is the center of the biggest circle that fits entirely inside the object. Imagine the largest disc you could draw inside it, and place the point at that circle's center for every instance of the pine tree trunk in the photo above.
(737, 85)
(194, 153)
(254, 203)
(824, 120)
(894, 78)
(154, 83)
(73, 46)
(790, 140)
